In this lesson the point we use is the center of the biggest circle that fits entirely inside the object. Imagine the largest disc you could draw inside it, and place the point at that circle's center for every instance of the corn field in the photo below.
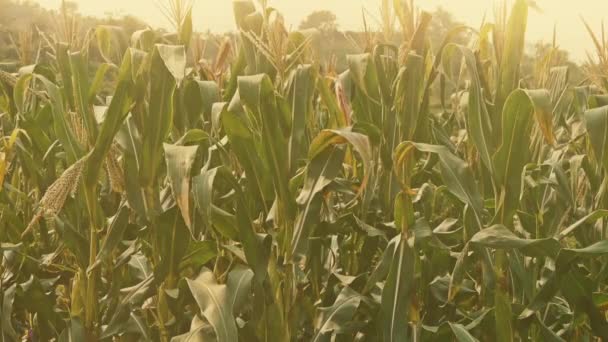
(426, 193)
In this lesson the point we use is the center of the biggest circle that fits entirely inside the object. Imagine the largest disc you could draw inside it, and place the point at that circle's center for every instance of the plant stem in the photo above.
(91, 295)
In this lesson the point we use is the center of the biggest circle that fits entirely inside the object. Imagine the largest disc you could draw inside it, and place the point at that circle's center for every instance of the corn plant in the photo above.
(426, 193)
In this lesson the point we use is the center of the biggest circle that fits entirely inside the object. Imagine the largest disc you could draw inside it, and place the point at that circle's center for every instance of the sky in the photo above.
(216, 15)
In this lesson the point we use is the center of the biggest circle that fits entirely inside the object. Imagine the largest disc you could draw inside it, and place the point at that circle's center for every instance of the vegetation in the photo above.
(427, 193)
(323, 20)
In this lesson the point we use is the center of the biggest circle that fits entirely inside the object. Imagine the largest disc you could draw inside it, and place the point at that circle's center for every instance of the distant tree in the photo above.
(21, 20)
(323, 20)
(69, 6)
(128, 23)
(542, 55)
(443, 22)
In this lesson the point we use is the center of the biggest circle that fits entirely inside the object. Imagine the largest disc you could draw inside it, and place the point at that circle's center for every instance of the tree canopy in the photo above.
(323, 20)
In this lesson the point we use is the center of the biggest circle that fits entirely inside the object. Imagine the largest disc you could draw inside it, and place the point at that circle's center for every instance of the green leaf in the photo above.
(544, 295)
(409, 93)
(576, 288)
(198, 254)
(224, 222)
(238, 130)
(174, 59)
(199, 97)
(334, 319)
(185, 29)
(179, 166)
(74, 240)
(456, 174)
(116, 230)
(97, 83)
(396, 295)
(193, 137)
(21, 90)
(202, 188)
(60, 123)
(594, 216)
(479, 126)
(111, 41)
(500, 237)
(358, 141)
(73, 332)
(143, 39)
(239, 288)
(366, 99)
(63, 62)
(461, 333)
(458, 273)
(514, 151)
(300, 94)
(80, 80)
(173, 241)
(512, 54)
(568, 255)
(320, 172)
(258, 96)
(214, 302)
(116, 113)
(134, 296)
(336, 118)
(166, 61)
(256, 246)
(6, 312)
(383, 267)
(200, 331)
(242, 9)
(597, 127)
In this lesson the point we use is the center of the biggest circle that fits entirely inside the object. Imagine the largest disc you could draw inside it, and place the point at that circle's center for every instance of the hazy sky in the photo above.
(216, 15)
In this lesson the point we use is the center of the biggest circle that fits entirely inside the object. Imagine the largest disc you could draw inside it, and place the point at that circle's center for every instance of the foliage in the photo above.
(25, 28)
(425, 193)
(323, 20)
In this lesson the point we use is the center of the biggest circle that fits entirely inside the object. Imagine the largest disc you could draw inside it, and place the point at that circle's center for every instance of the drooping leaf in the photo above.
(359, 142)
(200, 331)
(457, 175)
(594, 216)
(179, 165)
(214, 302)
(461, 333)
(174, 59)
(500, 237)
(334, 319)
(322, 169)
